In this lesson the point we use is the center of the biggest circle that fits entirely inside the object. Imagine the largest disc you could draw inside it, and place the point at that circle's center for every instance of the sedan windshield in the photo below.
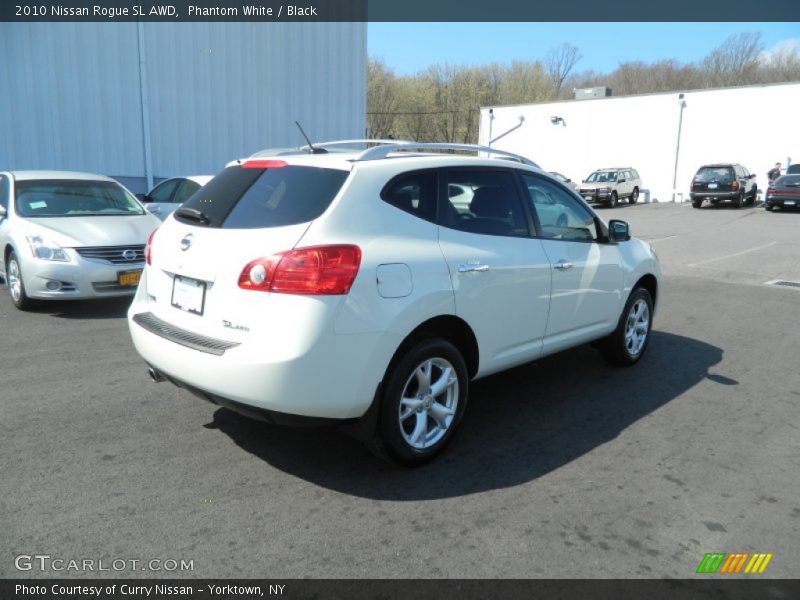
(73, 198)
(602, 177)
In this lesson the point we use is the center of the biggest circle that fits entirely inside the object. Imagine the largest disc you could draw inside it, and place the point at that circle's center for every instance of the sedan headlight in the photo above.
(45, 249)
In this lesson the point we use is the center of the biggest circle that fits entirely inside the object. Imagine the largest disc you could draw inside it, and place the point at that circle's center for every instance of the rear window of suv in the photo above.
(718, 174)
(255, 198)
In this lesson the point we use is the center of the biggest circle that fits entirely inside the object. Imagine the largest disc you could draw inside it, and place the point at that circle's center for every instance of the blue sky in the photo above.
(412, 47)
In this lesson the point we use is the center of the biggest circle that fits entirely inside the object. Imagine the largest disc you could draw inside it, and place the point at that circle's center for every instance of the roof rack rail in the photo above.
(307, 150)
(377, 142)
(384, 150)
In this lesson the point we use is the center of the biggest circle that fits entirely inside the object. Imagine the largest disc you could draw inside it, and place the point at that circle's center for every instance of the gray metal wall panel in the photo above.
(70, 97)
(230, 89)
(217, 91)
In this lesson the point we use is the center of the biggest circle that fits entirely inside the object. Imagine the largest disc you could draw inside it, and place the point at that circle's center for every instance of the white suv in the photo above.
(350, 288)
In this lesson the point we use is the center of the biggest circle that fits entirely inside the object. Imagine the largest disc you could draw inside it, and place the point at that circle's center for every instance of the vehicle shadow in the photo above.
(520, 425)
(110, 308)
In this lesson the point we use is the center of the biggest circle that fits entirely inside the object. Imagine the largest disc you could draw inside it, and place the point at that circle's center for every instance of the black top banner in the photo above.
(404, 10)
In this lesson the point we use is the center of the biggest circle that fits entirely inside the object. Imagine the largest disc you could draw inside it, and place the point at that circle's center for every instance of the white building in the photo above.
(755, 126)
(144, 101)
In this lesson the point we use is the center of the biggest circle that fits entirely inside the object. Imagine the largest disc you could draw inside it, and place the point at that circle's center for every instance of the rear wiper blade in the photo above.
(192, 214)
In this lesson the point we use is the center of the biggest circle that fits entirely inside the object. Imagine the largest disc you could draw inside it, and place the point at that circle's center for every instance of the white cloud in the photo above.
(782, 49)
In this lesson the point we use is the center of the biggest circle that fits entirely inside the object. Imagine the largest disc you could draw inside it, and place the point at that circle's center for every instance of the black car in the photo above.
(784, 192)
(724, 182)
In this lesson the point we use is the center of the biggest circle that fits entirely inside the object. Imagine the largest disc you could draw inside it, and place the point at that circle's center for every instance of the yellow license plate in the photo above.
(129, 278)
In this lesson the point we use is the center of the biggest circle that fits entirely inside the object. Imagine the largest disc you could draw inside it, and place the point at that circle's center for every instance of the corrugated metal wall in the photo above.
(70, 95)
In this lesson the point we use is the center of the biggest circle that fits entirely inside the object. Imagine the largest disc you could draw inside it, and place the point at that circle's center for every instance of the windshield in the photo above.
(787, 181)
(718, 174)
(602, 177)
(73, 198)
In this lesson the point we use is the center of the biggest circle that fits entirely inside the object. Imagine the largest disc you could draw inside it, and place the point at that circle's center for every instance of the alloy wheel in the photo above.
(428, 403)
(637, 327)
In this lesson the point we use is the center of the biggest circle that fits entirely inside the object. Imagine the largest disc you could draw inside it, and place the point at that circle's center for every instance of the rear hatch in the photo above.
(248, 211)
(715, 179)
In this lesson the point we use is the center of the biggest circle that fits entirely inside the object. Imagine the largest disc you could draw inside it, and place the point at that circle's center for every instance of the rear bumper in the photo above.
(793, 202)
(714, 196)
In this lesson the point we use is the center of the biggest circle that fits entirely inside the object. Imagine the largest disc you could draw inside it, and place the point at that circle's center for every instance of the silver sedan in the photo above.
(66, 235)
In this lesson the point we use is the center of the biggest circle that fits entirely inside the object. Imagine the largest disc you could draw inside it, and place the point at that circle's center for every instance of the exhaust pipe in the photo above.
(155, 375)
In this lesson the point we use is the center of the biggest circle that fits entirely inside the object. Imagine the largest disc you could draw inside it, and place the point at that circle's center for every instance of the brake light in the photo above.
(263, 164)
(735, 185)
(693, 186)
(317, 270)
(148, 251)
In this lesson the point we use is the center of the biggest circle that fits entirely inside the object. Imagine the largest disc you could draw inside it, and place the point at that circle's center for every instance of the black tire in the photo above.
(392, 432)
(634, 196)
(614, 200)
(616, 348)
(20, 298)
(739, 200)
(697, 203)
(769, 207)
(754, 196)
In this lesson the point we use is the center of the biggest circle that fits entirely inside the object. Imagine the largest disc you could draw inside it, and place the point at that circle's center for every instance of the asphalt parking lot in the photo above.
(562, 468)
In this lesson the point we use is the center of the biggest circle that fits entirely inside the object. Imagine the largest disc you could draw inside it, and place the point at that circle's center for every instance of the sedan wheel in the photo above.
(16, 286)
(424, 397)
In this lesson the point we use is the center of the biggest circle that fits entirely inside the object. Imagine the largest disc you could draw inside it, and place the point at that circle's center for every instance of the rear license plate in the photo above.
(129, 278)
(712, 186)
(587, 198)
(789, 202)
(188, 294)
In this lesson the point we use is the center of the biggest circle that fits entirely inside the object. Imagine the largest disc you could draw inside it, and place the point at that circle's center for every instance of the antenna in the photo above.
(308, 141)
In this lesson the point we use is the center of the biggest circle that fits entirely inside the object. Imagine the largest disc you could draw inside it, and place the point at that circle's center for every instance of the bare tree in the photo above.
(734, 61)
(381, 99)
(559, 62)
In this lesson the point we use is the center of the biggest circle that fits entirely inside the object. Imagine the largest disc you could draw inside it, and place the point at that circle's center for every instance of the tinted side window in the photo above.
(186, 189)
(414, 193)
(4, 189)
(163, 191)
(560, 215)
(483, 201)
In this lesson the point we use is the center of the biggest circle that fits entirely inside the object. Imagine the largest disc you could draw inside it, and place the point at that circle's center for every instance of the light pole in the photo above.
(682, 104)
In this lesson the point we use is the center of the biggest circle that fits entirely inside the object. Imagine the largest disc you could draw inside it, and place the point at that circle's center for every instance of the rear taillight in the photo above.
(735, 186)
(148, 248)
(317, 270)
(693, 187)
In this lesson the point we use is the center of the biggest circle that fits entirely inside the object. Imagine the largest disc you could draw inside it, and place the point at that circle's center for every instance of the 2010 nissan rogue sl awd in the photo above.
(360, 288)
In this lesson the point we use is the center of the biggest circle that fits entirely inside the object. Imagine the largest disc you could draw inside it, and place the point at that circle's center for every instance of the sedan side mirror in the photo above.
(618, 231)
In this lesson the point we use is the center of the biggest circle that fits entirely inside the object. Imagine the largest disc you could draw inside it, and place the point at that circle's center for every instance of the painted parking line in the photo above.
(710, 260)
(661, 239)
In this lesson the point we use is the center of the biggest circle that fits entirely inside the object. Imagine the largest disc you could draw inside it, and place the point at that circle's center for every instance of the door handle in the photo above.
(563, 265)
(472, 268)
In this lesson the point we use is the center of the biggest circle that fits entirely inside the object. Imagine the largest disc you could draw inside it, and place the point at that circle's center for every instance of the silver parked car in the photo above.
(66, 235)
(168, 195)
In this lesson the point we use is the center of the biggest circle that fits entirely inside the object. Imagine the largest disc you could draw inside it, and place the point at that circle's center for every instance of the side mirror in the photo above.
(618, 231)
(143, 198)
